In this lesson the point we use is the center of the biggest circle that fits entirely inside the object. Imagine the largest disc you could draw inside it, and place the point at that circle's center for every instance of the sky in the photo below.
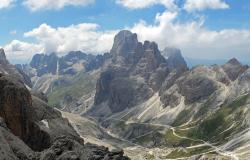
(202, 29)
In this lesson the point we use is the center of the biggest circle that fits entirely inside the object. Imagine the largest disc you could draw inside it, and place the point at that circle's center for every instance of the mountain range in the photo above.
(147, 102)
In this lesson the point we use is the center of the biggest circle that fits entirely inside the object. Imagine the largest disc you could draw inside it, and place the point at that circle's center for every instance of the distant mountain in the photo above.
(192, 62)
(174, 58)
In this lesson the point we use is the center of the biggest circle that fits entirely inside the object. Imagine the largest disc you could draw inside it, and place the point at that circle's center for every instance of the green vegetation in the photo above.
(204, 108)
(149, 157)
(155, 138)
(77, 86)
(172, 140)
(240, 101)
(182, 153)
(219, 126)
(182, 117)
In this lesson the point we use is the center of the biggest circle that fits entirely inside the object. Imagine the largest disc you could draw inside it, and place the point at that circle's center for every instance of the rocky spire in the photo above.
(234, 68)
(125, 44)
(3, 59)
(174, 58)
(234, 61)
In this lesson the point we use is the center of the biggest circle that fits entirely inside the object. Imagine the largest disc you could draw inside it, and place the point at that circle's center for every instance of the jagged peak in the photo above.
(150, 45)
(3, 58)
(125, 42)
(174, 58)
(171, 52)
(233, 61)
(124, 33)
(125, 36)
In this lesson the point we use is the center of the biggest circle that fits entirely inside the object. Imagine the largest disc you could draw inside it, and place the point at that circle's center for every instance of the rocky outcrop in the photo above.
(119, 91)
(126, 48)
(45, 63)
(3, 59)
(19, 115)
(234, 68)
(7, 68)
(15, 103)
(67, 148)
(30, 129)
(197, 88)
(174, 58)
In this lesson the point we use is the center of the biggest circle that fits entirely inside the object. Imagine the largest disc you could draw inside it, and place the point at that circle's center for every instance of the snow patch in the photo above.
(45, 122)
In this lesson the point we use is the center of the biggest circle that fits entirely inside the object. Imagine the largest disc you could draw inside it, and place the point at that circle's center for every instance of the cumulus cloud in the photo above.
(35, 5)
(193, 37)
(193, 5)
(61, 40)
(139, 4)
(20, 51)
(5, 3)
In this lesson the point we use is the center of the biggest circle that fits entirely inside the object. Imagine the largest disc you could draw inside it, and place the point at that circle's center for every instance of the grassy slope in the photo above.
(214, 128)
(81, 84)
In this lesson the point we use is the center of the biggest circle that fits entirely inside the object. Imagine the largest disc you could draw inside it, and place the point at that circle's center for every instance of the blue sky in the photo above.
(23, 25)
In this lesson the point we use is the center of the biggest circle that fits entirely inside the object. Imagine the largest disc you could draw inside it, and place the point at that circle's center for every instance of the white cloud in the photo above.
(83, 37)
(20, 51)
(5, 3)
(194, 38)
(139, 4)
(193, 5)
(13, 32)
(35, 5)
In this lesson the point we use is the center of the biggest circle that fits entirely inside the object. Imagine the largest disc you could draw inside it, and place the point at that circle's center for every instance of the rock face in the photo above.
(45, 63)
(30, 129)
(197, 88)
(137, 71)
(7, 68)
(234, 68)
(174, 58)
(66, 148)
(3, 59)
(15, 101)
(23, 114)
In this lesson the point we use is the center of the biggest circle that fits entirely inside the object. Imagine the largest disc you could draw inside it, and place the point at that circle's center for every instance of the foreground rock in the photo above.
(30, 129)
(9, 69)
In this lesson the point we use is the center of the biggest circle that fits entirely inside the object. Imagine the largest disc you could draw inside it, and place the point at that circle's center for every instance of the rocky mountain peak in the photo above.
(3, 59)
(125, 44)
(174, 58)
(233, 61)
(234, 68)
(151, 47)
(170, 52)
(45, 63)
